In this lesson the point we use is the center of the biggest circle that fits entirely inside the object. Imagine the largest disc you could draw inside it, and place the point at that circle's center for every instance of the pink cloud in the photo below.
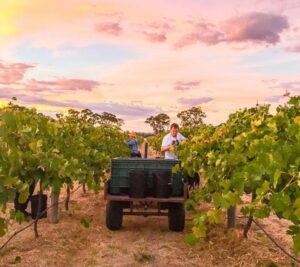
(295, 49)
(254, 27)
(155, 37)
(185, 86)
(164, 26)
(206, 33)
(14, 72)
(111, 28)
(156, 31)
(194, 101)
(61, 85)
(288, 86)
(274, 99)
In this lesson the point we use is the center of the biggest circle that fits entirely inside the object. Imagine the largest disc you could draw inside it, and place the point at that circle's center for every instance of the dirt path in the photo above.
(142, 241)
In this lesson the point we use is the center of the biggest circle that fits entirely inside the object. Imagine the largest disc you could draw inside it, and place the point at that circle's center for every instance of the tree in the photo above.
(192, 117)
(158, 122)
(88, 116)
(107, 118)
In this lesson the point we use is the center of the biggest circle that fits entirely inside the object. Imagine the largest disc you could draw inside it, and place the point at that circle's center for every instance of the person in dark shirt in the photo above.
(133, 145)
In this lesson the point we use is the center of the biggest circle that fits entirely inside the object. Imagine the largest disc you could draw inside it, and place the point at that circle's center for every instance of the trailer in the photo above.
(162, 192)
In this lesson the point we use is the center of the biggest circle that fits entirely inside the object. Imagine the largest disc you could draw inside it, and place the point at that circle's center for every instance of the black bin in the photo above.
(162, 183)
(138, 183)
(34, 205)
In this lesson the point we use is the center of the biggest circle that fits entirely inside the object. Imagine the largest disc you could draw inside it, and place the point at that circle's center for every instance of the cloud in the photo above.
(269, 80)
(61, 85)
(159, 25)
(288, 86)
(194, 101)
(155, 37)
(12, 72)
(256, 27)
(111, 28)
(206, 33)
(156, 31)
(274, 99)
(295, 49)
(185, 86)
(121, 109)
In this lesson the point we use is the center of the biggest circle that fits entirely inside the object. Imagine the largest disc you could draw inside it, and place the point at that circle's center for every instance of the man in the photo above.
(170, 141)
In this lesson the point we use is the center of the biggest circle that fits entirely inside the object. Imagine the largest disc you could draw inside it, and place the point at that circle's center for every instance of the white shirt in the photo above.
(169, 140)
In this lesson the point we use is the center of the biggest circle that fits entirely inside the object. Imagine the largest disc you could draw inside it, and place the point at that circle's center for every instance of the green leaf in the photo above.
(280, 201)
(276, 177)
(217, 199)
(190, 239)
(24, 192)
(16, 260)
(199, 231)
(262, 212)
(214, 216)
(296, 241)
(85, 222)
(176, 168)
(3, 227)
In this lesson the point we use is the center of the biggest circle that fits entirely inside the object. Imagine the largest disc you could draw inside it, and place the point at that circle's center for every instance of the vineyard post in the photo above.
(231, 214)
(54, 207)
(146, 150)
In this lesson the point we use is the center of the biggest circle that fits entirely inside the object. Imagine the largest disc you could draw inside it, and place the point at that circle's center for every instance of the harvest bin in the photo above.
(145, 187)
(121, 167)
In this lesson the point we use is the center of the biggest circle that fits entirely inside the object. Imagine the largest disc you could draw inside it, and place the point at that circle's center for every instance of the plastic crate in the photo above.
(120, 168)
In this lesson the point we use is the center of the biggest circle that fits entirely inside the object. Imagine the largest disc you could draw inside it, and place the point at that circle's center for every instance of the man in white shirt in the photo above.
(170, 141)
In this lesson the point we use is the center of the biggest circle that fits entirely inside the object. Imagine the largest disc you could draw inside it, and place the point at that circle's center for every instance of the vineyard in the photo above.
(39, 149)
(253, 153)
(250, 163)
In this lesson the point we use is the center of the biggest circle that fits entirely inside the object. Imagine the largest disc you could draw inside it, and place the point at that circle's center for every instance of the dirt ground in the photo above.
(141, 242)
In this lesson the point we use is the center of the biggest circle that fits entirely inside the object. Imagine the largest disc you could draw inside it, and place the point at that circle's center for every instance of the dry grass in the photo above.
(141, 242)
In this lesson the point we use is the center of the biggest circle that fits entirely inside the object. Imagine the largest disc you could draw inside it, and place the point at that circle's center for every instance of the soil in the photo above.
(142, 241)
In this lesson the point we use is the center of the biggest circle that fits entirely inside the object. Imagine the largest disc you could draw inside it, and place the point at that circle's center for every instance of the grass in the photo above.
(142, 257)
(6, 251)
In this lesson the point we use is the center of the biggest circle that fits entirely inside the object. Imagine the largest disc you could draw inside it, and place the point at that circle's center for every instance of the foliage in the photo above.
(254, 152)
(159, 123)
(192, 117)
(34, 147)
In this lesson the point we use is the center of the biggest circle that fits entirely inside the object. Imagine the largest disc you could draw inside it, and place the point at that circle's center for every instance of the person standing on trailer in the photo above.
(170, 141)
(133, 145)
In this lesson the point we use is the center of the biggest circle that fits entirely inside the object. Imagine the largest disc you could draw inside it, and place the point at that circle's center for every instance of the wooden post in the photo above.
(231, 217)
(54, 207)
(146, 150)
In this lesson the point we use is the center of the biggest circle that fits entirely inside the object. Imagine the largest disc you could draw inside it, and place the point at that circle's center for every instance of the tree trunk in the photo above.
(67, 198)
(83, 188)
(38, 211)
(250, 219)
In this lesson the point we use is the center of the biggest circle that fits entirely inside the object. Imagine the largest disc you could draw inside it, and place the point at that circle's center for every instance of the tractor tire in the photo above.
(114, 215)
(176, 217)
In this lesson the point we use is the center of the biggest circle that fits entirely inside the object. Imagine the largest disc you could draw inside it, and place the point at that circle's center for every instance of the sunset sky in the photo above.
(139, 58)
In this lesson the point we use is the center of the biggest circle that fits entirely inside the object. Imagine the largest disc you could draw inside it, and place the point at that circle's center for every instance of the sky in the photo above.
(138, 58)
